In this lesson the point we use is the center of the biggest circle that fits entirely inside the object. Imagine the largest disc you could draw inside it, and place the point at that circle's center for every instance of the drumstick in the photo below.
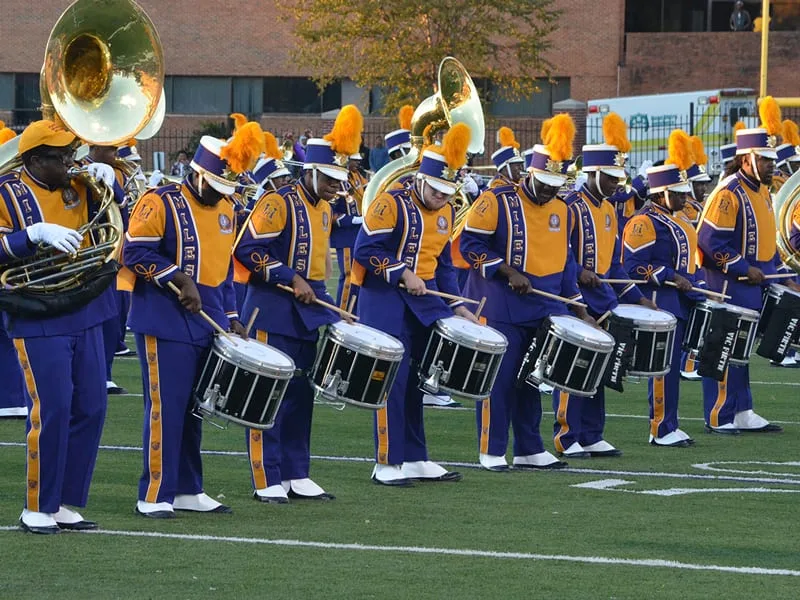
(336, 309)
(480, 308)
(251, 322)
(653, 299)
(724, 287)
(203, 314)
(773, 276)
(555, 297)
(700, 290)
(637, 281)
(352, 303)
(603, 317)
(446, 296)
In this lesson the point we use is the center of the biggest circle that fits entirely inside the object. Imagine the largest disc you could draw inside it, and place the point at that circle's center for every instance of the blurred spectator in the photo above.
(378, 156)
(740, 18)
(181, 165)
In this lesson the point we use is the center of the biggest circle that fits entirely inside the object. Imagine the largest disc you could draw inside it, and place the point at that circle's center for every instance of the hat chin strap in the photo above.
(754, 165)
(421, 183)
(314, 181)
(667, 202)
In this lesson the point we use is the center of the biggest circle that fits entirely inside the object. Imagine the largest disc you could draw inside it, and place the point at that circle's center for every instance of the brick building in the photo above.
(223, 57)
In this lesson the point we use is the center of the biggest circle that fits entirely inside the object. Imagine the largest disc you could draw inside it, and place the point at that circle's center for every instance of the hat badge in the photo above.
(341, 159)
(772, 141)
(619, 159)
(683, 176)
(554, 166)
(448, 173)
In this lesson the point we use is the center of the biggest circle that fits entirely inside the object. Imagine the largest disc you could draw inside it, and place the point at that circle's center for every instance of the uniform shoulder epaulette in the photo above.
(730, 183)
(571, 197)
(170, 188)
(505, 188)
(9, 177)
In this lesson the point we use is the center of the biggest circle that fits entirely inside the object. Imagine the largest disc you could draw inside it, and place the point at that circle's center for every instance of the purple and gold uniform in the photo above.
(657, 245)
(794, 231)
(346, 223)
(171, 230)
(61, 357)
(693, 210)
(595, 243)
(12, 399)
(505, 226)
(736, 231)
(287, 234)
(400, 233)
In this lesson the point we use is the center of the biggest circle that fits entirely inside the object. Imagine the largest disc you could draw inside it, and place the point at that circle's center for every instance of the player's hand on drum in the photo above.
(414, 285)
(793, 285)
(755, 276)
(589, 278)
(518, 282)
(683, 284)
(189, 296)
(463, 311)
(303, 291)
(583, 315)
(645, 301)
(237, 328)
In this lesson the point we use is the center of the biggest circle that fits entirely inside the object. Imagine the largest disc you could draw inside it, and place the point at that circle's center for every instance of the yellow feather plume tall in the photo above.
(739, 126)
(559, 137)
(615, 132)
(245, 147)
(791, 134)
(6, 133)
(506, 137)
(271, 148)
(544, 130)
(698, 151)
(680, 150)
(345, 137)
(770, 114)
(454, 145)
(239, 120)
(406, 112)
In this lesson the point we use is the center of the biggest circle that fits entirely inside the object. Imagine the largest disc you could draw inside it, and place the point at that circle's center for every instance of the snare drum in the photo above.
(568, 354)
(779, 325)
(356, 364)
(462, 358)
(746, 324)
(243, 383)
(653, 338)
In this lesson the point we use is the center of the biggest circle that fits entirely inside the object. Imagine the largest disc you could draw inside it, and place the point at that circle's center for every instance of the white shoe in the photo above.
(575, 451)
(390, 475)
(37, 519)
(727, 428)
(65, 515)
(439, 401)
(690, 375)
(306, 488)
(15, 411)
(274, 494)
(685, 436)
(602, 448)
(747, 419)
(426, 470)
(490, 462)
(788, 361)
(545, 388)
(542, 460)
(201, 502)
(161, 510)
(672, 439)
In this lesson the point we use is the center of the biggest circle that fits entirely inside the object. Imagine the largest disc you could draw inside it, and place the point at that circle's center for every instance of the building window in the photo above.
(27, 99)
(198, 95)
(540, 104)
(299, 95)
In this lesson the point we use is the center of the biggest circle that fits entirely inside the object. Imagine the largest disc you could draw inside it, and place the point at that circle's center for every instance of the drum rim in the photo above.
(783, 289)
(492, 347)
(570, 336)
(748, 313)
(223, 347)
(363, 347)
(669, 324)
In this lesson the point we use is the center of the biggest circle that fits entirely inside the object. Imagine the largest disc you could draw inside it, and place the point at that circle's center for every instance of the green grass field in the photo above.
(728, 528)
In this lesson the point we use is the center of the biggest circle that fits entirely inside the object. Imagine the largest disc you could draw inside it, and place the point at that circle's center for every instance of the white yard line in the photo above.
(460, 552)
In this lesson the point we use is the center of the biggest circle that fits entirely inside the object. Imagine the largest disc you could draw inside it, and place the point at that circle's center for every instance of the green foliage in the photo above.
(397, 46)
(217, 129)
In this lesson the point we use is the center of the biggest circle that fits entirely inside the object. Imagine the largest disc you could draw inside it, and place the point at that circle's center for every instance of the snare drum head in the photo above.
(740, 311)
(646, 318)
(472, 335)
(367, 340)
(255, 356)
(579, 332)
(778, 290)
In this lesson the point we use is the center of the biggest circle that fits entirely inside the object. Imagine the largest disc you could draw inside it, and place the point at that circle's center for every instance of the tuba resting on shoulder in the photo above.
(103, 77)
(456, 101)
(785, 202)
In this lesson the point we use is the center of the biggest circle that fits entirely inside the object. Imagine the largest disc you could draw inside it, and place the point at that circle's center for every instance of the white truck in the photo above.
(710, 114)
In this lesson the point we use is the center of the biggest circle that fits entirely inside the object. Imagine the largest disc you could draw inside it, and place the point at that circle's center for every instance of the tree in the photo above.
(397, 45)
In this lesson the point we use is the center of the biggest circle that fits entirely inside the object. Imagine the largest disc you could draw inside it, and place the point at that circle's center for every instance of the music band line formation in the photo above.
(539, 284)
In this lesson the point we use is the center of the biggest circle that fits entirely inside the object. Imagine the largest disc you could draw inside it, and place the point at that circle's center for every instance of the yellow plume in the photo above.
(345, 137)
(698, 151)
(406, 112)
(545, 129)
(770, 114)
(507, 138)
(739, 126)
(615, 132)
(455, 144)
(680, 150)
(245, 147)
(239, 120)
(6, 134)
(271, 148)
(791, 134)
(559, 138)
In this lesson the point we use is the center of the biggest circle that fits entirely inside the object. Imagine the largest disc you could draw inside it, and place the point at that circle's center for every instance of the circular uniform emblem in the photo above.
(555, 222)
(225, 224)
(441, 224)
(608, 222)
(325, 221)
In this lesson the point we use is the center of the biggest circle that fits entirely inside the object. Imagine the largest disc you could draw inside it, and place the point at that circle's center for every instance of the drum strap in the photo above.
(624, 343)
(531, 356)
(782, 330)
(718, 344)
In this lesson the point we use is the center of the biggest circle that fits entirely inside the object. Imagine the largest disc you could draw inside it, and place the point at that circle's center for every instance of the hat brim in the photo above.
(440, 185)
(704, 178)
(549, 178)
(279, 173)
(681, 188)
(224, 189)
(338, 174)
(763, 152)
(618, 173)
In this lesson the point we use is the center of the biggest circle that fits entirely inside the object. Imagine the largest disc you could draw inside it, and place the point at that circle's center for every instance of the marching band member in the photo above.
(398, 142)
(182, 234)
(516, 239)
(405, 239)
(595, 242)
(61, 356)
(347, 221)
(736, 237)
(507, 160)
(661, 242)
(286, 241)
(787, 153)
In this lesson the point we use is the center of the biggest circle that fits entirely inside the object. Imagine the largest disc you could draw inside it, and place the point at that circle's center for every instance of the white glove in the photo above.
(139, 176)
(358, 220)
(62, 238)
(642, 170)
(156, 177)
(102, 172)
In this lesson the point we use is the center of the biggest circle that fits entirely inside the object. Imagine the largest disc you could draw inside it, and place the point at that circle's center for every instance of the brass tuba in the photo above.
(785, 202)
(456, 101)
(103, 77)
